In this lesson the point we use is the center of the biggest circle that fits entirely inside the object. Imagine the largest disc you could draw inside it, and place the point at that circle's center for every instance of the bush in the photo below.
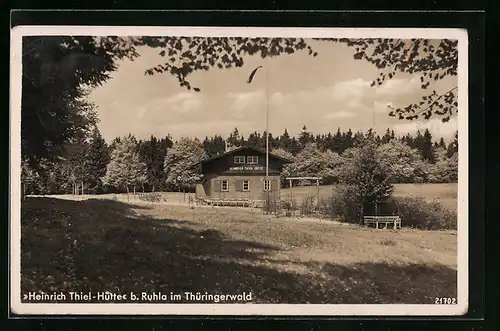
(271, 205)
(307, 206)
(343, 205)
(416, 212)
(289, 204)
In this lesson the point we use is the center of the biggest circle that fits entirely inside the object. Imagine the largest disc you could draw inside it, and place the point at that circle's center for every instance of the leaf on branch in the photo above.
(358, 56)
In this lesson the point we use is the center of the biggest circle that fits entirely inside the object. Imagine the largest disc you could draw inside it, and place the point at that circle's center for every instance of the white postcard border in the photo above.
(238, 309)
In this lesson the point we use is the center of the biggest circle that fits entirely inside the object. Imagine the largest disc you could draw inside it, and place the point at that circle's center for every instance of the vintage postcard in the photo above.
(238, 171)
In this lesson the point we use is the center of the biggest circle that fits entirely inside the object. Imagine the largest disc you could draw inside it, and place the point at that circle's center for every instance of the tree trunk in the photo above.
(361, 219)
(82, 188)
(127, 193)
(142, 189)
(24, 191)
(153, 188)
(134, 189)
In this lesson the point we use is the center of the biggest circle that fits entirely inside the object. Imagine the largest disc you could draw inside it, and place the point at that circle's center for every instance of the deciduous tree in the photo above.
(363, 171)
(403, 164)
(125, 168)
(312, 162)
(180, 163)
(58, 72)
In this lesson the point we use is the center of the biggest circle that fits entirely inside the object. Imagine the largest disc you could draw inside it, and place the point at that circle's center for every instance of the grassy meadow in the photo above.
(106, 245)
(446, 194)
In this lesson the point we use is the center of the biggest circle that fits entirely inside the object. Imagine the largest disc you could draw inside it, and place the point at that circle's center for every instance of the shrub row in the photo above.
(415, 212)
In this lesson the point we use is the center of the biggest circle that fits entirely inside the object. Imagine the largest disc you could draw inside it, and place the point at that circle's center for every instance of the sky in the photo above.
(323, 93)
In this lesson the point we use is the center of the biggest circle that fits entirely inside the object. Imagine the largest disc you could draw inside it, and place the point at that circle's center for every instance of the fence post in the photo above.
(317, 186)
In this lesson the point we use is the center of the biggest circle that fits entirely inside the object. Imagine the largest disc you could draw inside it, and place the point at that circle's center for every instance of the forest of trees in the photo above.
(91, 166)
(63, 151)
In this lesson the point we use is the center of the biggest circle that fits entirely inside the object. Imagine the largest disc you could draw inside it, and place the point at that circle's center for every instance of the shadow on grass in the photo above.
(101, 245)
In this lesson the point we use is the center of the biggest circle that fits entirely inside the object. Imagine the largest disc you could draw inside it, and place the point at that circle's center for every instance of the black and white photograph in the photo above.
(238, 171)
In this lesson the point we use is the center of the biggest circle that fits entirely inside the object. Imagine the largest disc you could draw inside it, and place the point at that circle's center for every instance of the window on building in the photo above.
(239, 159)
(224, 186)
(267, 185)
(252, 159)
(246, 185)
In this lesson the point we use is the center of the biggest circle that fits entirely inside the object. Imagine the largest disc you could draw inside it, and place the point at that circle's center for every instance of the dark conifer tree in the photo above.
(442, 144)
(387, 137)
(337, 142)
(427, 150)
(453, 146)
(96, 159)
(285, 141)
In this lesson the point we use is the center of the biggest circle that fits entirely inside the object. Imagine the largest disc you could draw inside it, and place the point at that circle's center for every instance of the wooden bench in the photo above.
(394, 221)
(235, 202)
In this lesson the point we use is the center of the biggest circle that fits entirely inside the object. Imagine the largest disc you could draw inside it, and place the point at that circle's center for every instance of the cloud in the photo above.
(398, 86)
(436, 127)
(346, 90)
(243, 100)
(277, 99)
(340, 114)
(359, 88)
(183, 102)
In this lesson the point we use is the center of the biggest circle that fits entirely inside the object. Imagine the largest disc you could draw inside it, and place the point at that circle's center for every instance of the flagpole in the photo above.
(267, 126)
(252, 74)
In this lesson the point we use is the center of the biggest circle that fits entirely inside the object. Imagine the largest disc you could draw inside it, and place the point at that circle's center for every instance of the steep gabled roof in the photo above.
(238, 149)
